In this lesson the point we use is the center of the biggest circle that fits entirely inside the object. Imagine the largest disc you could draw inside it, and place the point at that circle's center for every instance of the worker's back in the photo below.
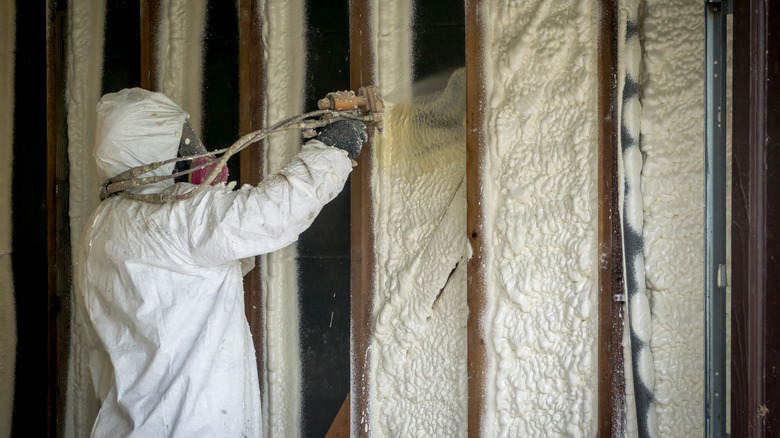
(178, 357)
(159, 285)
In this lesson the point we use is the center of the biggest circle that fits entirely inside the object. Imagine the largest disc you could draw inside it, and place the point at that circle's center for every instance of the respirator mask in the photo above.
(190, 145)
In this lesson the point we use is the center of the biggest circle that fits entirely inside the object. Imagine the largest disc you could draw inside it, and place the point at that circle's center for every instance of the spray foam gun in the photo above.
(367, 106)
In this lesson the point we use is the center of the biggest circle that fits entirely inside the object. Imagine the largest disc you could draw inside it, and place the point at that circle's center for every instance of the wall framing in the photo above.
(611, 377)
(362, 277)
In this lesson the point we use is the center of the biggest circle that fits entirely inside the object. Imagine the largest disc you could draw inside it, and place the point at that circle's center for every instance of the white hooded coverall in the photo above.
(161, 284)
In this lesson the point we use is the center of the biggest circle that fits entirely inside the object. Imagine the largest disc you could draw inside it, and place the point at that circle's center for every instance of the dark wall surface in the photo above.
(220, 94)
(122, 46)
(28, 197)
(439, 37)
(324, 249)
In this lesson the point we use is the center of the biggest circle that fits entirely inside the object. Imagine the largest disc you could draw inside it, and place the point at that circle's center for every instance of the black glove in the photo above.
(348, 135)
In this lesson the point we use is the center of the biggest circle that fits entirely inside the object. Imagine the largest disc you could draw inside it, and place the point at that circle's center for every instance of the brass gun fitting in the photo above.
(368, 101)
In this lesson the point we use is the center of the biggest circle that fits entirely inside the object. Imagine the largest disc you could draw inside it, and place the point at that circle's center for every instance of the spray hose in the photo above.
(367, 106)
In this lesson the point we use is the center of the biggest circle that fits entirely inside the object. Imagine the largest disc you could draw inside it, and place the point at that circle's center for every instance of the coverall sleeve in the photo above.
(230, 225)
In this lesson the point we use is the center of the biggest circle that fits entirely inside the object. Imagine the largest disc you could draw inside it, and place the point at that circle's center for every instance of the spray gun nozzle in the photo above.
(367, 103)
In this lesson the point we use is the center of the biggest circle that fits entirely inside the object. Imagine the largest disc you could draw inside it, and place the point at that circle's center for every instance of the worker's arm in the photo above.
(226, 226)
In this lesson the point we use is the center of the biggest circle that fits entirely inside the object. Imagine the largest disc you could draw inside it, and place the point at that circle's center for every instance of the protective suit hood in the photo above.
(137, 127)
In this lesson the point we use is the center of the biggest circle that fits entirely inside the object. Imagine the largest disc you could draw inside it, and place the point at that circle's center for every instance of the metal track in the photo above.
(715, 219)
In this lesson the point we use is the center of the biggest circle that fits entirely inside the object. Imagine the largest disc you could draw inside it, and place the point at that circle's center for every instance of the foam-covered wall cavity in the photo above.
(283, 27)
(540, 206)
(672, 187)
(85, 69)
(669, 177)
(418, 370)
(417, 382)
(84, 73)
(539, 200)
(7, 307)
(179, 54)
(392, 39)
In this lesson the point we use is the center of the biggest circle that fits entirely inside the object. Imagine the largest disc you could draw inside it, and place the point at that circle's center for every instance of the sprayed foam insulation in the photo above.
(418, 370)
(179, 53)
(391, 24)
(541, 215)
(671, 171)
(672, 188)
(284, 51)
(84, 72)
(7, 306)
(417, 381)
(541, 210)
(540, 198)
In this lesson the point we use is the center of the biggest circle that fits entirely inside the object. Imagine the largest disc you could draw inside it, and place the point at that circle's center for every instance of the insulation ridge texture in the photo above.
(419, 339)
(540, 196)
(672, 130)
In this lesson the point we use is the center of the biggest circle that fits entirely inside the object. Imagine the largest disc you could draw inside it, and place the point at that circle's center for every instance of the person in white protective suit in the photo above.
(161, 284)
